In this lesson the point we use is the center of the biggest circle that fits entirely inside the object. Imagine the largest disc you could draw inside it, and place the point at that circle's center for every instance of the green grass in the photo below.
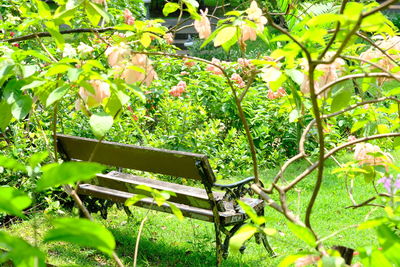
(166, 241)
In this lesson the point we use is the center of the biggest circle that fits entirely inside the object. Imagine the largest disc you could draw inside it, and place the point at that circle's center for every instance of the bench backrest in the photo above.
(161, 161)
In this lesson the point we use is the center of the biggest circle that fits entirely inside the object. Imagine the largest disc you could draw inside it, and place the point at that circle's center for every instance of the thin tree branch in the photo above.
(47, 34)
(333, 151)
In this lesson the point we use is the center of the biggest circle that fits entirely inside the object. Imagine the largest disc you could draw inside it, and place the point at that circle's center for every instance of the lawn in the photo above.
(166, 241)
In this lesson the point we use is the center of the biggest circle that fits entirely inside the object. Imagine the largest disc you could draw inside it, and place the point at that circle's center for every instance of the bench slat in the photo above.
(187, 195)
(227, 217)
(168, 162)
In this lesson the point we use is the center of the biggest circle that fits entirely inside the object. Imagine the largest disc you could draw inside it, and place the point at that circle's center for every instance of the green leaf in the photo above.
(20, 252)
(13, 201)
(33, 84)
(396, 143)
(372, 223)
(358, 125)
(170, 8)
(251, 213)
(55, 33)
(57, 94)
(289, 260)
(68, 172)
(192, 3)
(92, 14)
(145, 40)
(294, 115)
(37, 158)
(100, 11)
(5, 115)
(224, 35)
(303, 233)
(341, 99)
(177, 212)
(132, 201)
(57, 69)
(101, 123)
(21, 107)
(73, 74)
(296, 75)
(244, 233)
(43, 9)
(11, 164)
(323, 19)
(37, 54)
(81, 232)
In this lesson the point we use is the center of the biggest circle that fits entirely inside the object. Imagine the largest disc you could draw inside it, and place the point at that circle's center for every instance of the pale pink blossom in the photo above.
(238, 80)
(247, 33)
(361, 154)
(392, 47)
(278, 94)
(169, 38)
(214, 69)
(100, 2)
(254, 13)
(330, 72)
(101, 92)
(179, 89)
(351, 138)
(118, 54)
(184, 73)
(244, 62)
(128, 17)
(131, 75)
(189, 63)
(203, 26)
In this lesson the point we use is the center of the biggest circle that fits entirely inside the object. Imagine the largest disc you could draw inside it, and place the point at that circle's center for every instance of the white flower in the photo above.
(84, 49)
(69, 51)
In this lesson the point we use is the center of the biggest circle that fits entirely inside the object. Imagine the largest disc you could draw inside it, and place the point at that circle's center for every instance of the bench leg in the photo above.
(218, 245)
(228, 236)
(262, 237)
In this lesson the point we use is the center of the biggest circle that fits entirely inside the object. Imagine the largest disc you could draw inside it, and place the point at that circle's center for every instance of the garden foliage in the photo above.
(325, 78)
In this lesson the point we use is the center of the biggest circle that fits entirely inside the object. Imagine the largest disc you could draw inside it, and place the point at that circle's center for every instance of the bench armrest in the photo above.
(236, 184)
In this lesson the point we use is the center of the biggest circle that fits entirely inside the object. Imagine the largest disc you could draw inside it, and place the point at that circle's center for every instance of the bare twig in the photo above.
(47, 34)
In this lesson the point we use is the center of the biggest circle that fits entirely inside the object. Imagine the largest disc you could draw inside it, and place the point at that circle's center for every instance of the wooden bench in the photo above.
(205, 204)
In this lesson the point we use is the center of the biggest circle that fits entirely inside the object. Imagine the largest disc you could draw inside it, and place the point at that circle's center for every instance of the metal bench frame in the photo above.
(217, 207)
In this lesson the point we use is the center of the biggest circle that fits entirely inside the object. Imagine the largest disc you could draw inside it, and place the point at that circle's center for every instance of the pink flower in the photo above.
(247, 33)
(392, 47)
(238, 80)
(203, 26)
(351, 138)
(117, 54)
(189, 63)
(179, 89)
(16, 45)
(361, 154)
(99, 1)
(128, 17)
(12, 34)
(169, 38)
(278, 94)
(330, 73)
(101, 92)
(184, 73)
(214, 69)
(244, 62)
(147, 76)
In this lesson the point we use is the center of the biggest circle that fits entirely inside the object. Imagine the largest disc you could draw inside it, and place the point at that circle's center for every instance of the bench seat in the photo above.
(115, 181)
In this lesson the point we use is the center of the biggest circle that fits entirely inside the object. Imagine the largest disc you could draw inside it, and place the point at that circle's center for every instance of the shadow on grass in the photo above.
(158, 253)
